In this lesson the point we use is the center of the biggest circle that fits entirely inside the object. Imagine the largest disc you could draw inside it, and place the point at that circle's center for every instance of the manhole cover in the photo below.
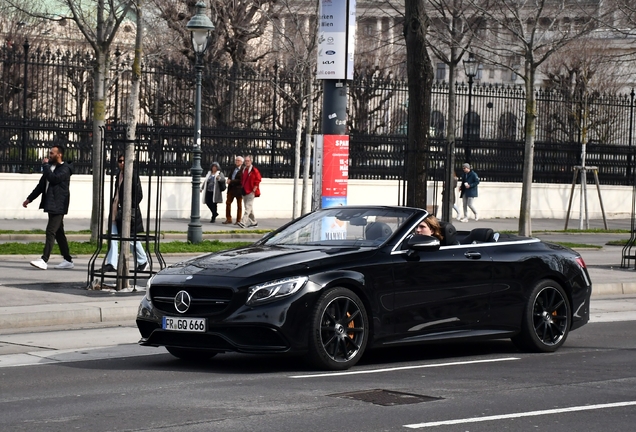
(386, 397)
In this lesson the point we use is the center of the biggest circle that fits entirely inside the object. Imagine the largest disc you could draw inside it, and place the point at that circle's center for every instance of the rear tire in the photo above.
(339, 330)
(191, 354)
(546, 319)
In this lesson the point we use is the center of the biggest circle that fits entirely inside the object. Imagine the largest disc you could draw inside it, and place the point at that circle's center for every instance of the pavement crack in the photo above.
(28, 345)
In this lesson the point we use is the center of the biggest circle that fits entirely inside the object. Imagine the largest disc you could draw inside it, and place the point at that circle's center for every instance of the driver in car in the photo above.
(430, 226)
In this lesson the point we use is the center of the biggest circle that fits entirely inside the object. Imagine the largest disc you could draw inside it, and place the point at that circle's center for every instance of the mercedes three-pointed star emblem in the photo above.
(182, 301)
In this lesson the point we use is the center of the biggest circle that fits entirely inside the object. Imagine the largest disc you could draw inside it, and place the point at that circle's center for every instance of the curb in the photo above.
(613, 288)
(72, 313)
(18, 317)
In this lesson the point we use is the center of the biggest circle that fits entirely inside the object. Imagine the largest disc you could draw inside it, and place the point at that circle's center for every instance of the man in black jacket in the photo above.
(54, 188)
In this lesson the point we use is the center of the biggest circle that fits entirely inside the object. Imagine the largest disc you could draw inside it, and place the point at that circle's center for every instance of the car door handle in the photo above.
(472, 255)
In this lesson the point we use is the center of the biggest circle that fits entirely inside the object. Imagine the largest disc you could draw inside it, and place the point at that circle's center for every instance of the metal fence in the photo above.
(45, 98)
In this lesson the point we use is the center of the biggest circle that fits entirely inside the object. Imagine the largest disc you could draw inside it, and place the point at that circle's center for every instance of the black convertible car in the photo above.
(338, 281)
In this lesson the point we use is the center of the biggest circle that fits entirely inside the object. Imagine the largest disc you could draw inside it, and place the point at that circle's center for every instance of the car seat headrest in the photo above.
(377, 230)
(449, 232)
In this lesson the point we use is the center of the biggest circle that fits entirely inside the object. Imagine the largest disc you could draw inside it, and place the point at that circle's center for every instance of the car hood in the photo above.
(257, 259)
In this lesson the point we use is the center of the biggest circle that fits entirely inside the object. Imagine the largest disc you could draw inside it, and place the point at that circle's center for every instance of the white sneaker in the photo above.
(40, 263)
(464, 219)
(476, 218)
(65, 265)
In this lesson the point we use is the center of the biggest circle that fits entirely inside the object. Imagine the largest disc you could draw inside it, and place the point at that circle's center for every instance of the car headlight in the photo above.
(148, 284)
(274, 290)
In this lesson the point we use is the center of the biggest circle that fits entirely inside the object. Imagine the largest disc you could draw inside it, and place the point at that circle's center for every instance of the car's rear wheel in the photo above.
(191, 354)
(339, 330)
(546, 320)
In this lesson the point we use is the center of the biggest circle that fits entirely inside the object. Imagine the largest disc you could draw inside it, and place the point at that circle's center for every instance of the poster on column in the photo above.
(335, 175)
(335, 170)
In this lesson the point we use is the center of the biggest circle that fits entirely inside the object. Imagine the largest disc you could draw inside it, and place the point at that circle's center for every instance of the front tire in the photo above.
(191, 354)
(339, 330)
(546, 321)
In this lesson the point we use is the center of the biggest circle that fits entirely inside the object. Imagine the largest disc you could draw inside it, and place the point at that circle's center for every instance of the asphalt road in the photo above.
(588, 385)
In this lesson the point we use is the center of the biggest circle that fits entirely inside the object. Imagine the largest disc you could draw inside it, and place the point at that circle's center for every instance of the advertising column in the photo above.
(335, 170)
(336, 35)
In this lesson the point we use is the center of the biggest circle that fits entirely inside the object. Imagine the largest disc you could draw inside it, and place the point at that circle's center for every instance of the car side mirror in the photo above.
(423, 243)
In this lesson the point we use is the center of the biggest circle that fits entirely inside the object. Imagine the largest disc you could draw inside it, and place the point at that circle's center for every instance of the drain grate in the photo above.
(386, 397)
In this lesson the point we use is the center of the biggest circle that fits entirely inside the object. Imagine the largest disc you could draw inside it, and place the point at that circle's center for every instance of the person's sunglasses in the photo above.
(120, 161)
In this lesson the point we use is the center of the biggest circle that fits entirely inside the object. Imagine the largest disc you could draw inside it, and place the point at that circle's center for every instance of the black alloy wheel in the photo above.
(191, 354)
(546, 321)
(339, 330)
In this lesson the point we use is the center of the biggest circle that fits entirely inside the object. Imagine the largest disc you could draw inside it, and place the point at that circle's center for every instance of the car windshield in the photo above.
(342, 226)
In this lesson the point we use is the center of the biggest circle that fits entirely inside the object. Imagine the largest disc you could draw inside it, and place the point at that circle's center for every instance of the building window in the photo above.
(480, 72)
(513, 73)
(507, 127)
(441, 72)
(474, 125)
(437, 125)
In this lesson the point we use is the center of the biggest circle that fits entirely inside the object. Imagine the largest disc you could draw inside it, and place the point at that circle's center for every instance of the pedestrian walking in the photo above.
(212, 189)
(54, 188)
(453, 196)
(234, 191)
(136, 221)
(250, 181)
(468, 190)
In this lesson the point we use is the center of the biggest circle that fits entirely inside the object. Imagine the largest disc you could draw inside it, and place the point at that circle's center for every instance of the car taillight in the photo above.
(579, 261)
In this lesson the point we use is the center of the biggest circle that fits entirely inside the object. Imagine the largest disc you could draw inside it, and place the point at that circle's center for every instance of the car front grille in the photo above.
(205, 300)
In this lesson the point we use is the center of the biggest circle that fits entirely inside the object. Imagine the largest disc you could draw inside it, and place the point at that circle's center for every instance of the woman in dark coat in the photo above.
(211, 186)
(136, 221)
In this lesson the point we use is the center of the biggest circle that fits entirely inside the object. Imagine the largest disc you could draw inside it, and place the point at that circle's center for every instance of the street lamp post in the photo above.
(25, 93)
(200, 26)
(470, 69)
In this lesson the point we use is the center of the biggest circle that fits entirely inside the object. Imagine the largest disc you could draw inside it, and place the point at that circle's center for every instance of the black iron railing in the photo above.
(45, 98)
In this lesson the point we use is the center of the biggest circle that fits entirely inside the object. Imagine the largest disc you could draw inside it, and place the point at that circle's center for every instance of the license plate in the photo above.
(184, 324)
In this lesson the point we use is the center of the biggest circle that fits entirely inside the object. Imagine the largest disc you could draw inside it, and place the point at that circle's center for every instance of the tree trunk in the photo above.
(449, 190)
(420, 82)
(308, 128)
(131, 135)
(100, 74)
(525, 221)
(297, 144)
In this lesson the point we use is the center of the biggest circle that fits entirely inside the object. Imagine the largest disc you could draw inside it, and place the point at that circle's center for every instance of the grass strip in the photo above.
(87, 248)
(42, 232)
(578, 245)
(617, 242)
(583, 231)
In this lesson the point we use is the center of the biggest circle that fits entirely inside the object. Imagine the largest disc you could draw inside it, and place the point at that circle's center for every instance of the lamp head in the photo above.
(200, 26)
(470, 66)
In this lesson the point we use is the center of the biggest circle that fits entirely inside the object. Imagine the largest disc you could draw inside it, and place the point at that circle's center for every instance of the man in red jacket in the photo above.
(250, 180)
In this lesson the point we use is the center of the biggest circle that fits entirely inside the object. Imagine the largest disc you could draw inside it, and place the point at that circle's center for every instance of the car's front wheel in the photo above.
(191, 354)
(546, 320)
(339, 330)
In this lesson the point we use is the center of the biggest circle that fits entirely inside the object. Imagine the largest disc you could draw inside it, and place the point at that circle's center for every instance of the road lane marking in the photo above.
(370, 371)
(521, 414)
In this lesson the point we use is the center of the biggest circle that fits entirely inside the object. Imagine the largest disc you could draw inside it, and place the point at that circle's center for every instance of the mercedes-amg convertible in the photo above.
(342, 280)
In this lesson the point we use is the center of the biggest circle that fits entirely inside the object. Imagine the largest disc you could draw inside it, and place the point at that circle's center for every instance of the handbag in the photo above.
(222, 185)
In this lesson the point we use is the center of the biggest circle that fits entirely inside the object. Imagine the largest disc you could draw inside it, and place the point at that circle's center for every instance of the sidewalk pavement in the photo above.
(58, 298)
